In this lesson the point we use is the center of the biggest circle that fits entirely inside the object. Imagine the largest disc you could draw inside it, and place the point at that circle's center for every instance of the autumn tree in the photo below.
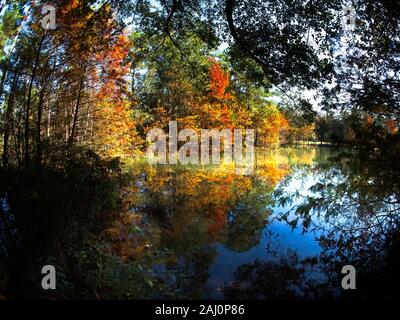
(49, 90)
(114, 127)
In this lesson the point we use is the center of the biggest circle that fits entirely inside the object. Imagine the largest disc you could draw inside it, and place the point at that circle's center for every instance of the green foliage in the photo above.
(330, 129)
(9, 21)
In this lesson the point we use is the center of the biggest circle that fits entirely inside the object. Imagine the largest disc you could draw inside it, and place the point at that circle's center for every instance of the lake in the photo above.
(282, 232)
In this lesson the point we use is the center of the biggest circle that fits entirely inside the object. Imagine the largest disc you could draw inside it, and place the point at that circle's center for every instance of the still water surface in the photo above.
(283, 231)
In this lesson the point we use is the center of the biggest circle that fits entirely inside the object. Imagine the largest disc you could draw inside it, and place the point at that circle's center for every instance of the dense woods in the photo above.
(83, 85)
(77, 100)
(95, 82)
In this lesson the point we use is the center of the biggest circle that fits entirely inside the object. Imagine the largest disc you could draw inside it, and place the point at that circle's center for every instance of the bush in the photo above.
(54, 210)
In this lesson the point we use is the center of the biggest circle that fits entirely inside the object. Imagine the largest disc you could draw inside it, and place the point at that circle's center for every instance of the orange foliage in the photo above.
(272, 127)
(70, 6)
(368, 122)
(213, 110)
(114, 69)
(114, 126)
(392, 126)
(219, 80)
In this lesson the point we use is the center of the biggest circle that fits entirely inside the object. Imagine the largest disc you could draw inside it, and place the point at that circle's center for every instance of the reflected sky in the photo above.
(213, 229)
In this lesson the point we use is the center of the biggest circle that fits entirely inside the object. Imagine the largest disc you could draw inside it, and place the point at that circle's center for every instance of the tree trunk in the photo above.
(78, 102)
(38, 156)
(3, 80)
(7, 121)
(28, 102)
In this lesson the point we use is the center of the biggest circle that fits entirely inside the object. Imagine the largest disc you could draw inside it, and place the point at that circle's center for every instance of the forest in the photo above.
(318, 82)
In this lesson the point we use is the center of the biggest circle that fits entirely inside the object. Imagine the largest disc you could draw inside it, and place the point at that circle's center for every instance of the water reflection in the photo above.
(283, 232)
